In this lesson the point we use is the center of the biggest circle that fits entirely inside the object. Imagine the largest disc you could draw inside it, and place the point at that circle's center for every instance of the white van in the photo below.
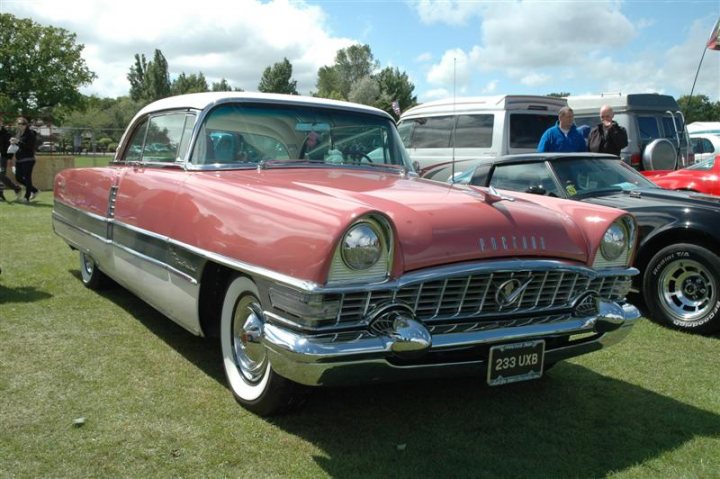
(476, 128)
(657, 136)
(705, 139)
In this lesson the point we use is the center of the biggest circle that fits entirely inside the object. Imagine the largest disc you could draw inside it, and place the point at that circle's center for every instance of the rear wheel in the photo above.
(680, 288)
(250, 376)
(91, 275)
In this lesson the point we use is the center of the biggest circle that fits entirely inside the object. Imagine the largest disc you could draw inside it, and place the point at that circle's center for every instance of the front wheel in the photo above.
(250, 376)
(680, 288)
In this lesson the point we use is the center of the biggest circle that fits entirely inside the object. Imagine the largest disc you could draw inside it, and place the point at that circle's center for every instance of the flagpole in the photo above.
(694, 82)
(714, 44)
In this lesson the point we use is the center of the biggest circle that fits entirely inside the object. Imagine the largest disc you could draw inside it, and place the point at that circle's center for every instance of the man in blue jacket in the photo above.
(564, 137)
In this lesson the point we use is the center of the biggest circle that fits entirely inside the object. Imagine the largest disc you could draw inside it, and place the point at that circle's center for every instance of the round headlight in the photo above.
(361, 247)
(614, 242)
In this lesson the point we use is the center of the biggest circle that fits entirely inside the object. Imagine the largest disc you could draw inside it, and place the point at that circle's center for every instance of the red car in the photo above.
(702, 177)
(294, 230)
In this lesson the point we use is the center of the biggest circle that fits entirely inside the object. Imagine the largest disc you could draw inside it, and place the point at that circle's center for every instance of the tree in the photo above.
(351, 65)
(328, 84)
(136, 77)
(366, 91)
(277, 79)
(189, 84)
(561, 94)
(41, 68)
(100, 117)
(223, 85)
(149, 81)
(699, 108)
(395, 86)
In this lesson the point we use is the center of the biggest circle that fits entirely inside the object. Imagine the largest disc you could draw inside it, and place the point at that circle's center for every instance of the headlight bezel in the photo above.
(625, 252)
(614, 241)
(361, 247)
(343, 271)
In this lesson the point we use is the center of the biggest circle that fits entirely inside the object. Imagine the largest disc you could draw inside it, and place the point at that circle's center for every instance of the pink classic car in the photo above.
(295, 230)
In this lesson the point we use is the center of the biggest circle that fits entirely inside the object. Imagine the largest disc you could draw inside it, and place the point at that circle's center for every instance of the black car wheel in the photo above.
(680, 288)
(249, 372)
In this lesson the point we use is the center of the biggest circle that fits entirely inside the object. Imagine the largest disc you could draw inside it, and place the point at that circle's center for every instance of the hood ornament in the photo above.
(492, 196)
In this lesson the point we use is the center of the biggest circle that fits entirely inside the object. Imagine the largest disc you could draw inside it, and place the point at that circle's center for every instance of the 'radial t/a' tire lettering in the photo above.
(680, 288)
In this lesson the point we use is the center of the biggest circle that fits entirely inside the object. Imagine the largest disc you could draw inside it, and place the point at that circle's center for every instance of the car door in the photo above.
(144, 200)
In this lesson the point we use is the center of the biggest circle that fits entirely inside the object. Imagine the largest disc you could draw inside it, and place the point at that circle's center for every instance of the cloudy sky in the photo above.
(445, 46)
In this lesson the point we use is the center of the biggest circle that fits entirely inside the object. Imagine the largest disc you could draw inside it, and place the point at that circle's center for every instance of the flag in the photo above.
(396, 107)
(714, 42)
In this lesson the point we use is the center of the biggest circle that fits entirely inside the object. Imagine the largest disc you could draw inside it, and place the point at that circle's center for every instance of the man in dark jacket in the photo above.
(607, 136)
(5, 158)
(26, 140)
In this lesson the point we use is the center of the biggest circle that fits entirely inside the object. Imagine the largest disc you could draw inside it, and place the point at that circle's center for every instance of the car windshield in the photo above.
(703, 165)
(590, 176)
(245, 135)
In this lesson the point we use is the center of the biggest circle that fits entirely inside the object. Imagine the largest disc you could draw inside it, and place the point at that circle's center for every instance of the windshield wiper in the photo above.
(295, 161)
(307, 162)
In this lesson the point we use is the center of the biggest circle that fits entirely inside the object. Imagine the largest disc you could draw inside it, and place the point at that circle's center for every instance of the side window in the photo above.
(648, 126)
(135, 145)
(669, 128)
(528, 178)
(474, 131)
(186, 134)
(433, 132)
(527, 129)
(697, 145)
(164, 137)
(707, 146)
(405, 130)
(590, 121)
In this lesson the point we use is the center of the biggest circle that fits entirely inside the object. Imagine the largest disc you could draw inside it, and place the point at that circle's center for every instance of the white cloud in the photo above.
(424, 57)
(489, 88)
(451, 12)
(231, 39)
(546, 34)
(435, 94)
(535, 79)
(454, 70)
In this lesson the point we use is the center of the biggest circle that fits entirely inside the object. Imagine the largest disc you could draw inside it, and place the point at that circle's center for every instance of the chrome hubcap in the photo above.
(247, 329)
(687, 290)
(88, 264)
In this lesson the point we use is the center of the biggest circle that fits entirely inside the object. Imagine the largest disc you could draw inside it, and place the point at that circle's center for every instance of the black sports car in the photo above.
(679, 232)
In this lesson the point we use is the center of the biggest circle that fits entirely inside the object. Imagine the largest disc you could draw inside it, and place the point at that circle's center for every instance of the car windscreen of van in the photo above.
(526, 129)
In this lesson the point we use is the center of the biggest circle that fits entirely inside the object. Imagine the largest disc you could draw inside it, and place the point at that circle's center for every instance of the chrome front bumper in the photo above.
(407, 352)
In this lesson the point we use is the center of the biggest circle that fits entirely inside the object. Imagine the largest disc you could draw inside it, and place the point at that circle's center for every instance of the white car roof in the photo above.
(201, 101)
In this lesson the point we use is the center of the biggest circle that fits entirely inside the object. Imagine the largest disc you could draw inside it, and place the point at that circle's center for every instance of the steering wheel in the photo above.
(355, 153)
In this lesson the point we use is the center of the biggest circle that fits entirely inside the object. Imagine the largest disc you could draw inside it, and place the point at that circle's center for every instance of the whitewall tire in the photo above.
(247, 366)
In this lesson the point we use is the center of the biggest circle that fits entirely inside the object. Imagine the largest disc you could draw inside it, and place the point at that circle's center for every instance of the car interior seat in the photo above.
(224, 150)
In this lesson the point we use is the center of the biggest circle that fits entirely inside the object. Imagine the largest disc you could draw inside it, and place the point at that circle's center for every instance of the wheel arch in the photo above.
(213, 283)
(674, 236)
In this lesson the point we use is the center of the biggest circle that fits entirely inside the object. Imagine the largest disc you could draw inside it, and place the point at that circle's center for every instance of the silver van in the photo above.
(476, 128)
(657, 135)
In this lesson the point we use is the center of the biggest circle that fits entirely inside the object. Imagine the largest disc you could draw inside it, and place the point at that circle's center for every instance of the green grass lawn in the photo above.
(155, 404)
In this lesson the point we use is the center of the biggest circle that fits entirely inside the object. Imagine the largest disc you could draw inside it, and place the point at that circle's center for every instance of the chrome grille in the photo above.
(474, 296)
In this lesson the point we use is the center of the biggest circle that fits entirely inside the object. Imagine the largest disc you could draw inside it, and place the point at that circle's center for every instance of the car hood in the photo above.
(654, 198)
(293, 219)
